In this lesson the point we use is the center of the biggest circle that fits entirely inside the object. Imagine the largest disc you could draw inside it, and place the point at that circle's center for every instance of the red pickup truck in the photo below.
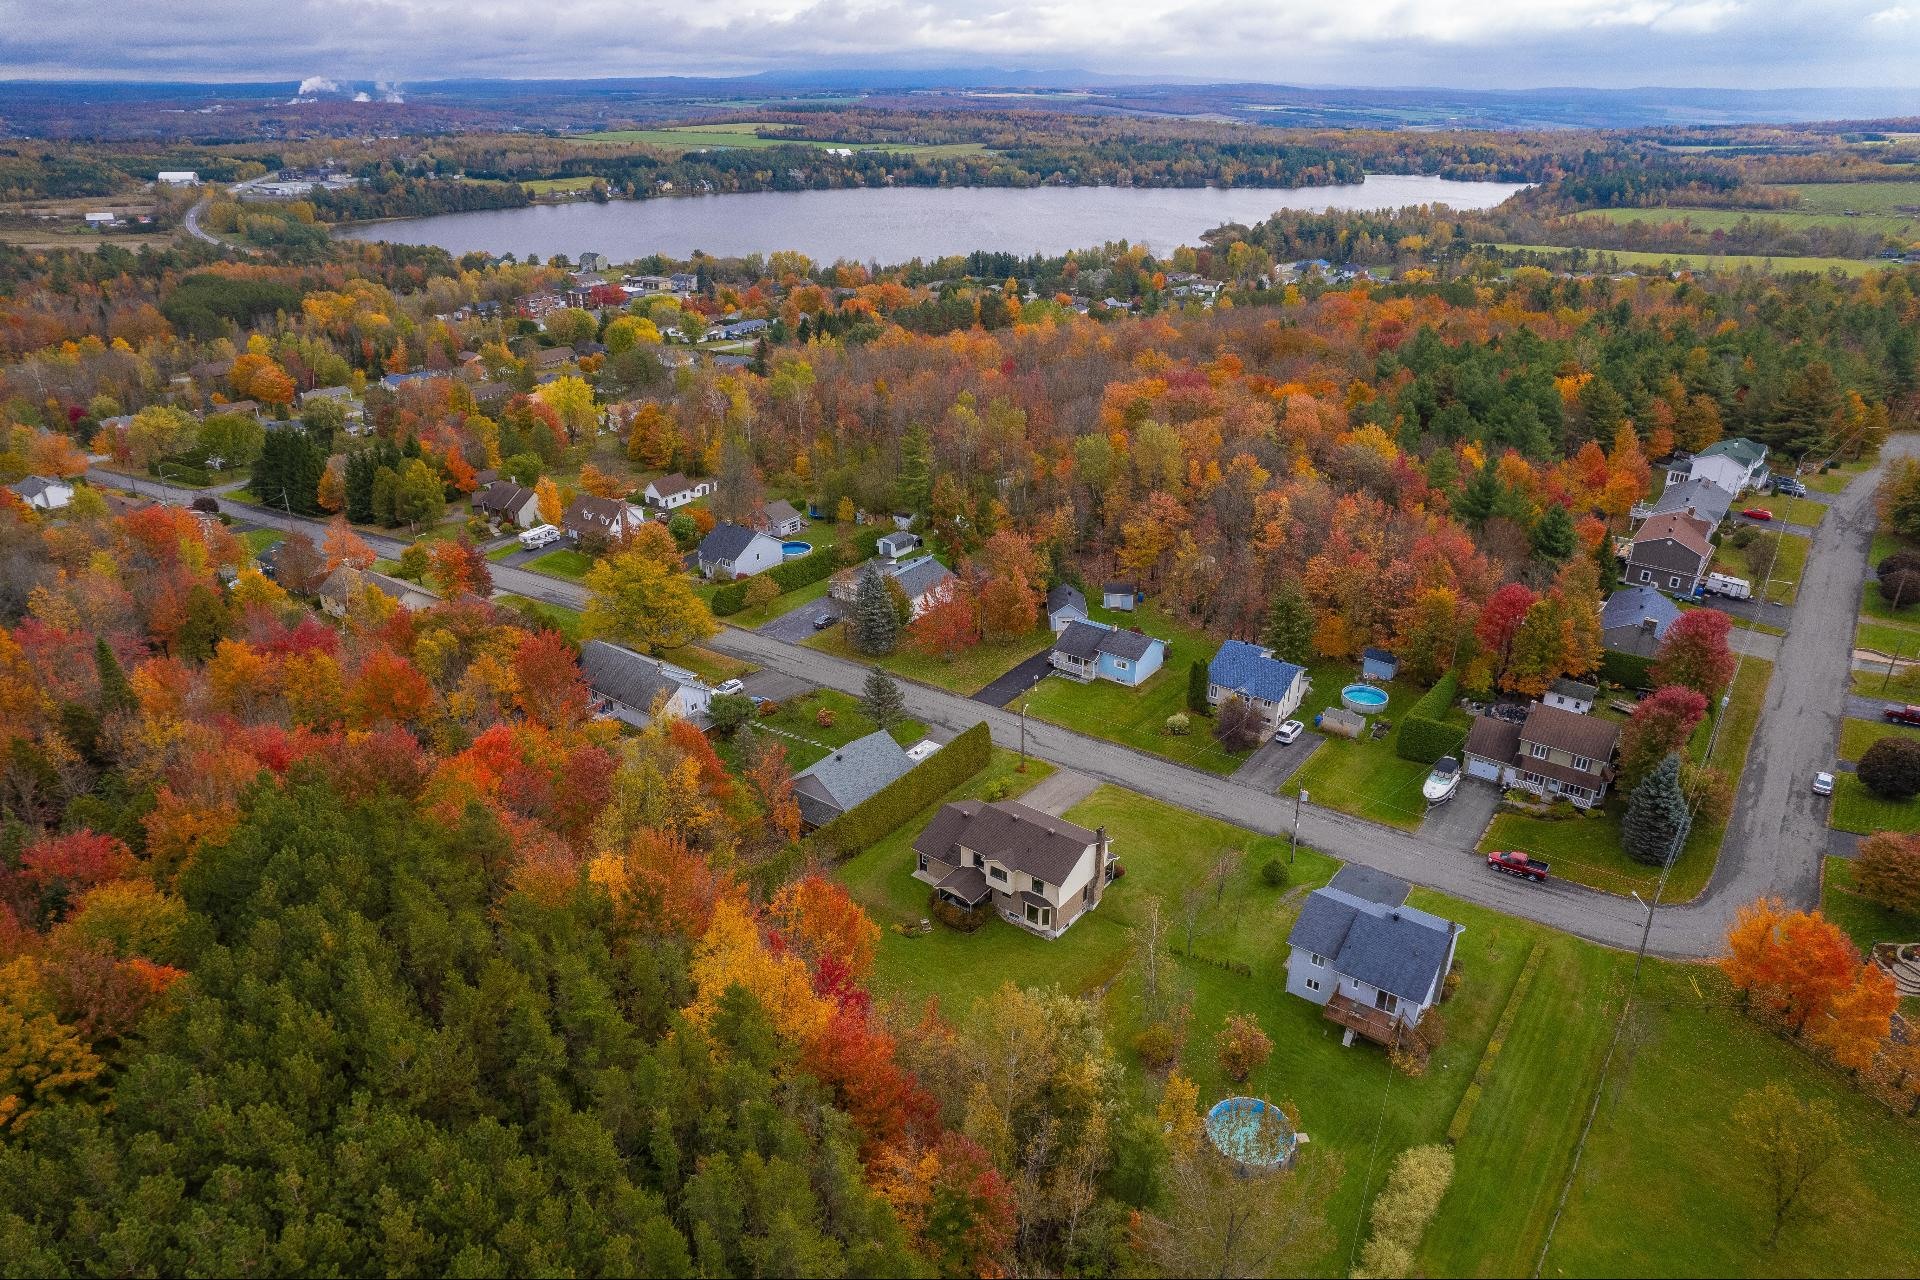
(1908, 714)
(1515, 863)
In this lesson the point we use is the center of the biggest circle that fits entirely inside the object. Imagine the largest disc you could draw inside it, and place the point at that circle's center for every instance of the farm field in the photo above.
(1862, 197)
(1708, 262)
(1723, 219)
(742, 135)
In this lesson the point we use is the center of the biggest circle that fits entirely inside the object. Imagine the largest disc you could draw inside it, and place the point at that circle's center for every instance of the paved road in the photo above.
(1773, 846)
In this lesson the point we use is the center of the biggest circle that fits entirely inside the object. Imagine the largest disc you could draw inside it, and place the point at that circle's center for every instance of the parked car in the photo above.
(821, 621)
(729, 688)
(1515, 863)
(1757, 513)
(1823, 784)
(1789, 486)
(1289, 731)
(1908, 714)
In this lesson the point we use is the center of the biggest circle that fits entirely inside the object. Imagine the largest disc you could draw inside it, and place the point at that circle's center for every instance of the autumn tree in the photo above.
(1242, 1047)
(547, 498)
(1786, 1146)
(343, 546)
(1789, 966)
(636, 599)
(1500, 621)
(1660, 725)
(1695, 653)
(771, 781)
(459, 568)
(950, 623)
(1887, 871)
(1222, 1218)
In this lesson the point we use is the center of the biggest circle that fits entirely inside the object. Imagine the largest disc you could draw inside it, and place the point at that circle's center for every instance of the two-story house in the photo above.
(610, 518)
(1736, 465)
(634, 688)
(1040, 872)
(1272, 687)
(1101, 651)
(1555, 753)
(1701, 499)
(1670, 553)
(1373, 963)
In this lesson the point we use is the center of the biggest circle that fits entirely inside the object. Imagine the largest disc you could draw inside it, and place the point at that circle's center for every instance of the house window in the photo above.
(1385, 1001)
(923, 862)
(1317, 961)
(1583, 763)
(1039, 886)
(1646, 575)
(996, 874)
(1042, 916)
(1674, 583)
(1120, 664)
(1538, 749)
(1313, 984)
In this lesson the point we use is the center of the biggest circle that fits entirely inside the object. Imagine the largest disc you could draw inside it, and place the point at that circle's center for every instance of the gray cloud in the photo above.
(1458, 43)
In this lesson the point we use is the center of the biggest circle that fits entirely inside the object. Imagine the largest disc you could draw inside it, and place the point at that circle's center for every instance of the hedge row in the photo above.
(1628, 670)
(1424, 735)
(1463, 1115)
(791, 575)
(730, 599)
(882, 813)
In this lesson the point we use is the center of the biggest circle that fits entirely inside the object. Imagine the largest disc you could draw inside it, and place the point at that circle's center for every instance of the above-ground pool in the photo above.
(1364, 698)
(796, 548)
(1252, 1133)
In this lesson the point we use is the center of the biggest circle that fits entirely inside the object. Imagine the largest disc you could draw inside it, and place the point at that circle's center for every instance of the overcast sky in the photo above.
(1458, 43)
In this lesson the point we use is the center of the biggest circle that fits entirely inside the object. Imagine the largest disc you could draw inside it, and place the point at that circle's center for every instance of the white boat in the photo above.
(1443, 781)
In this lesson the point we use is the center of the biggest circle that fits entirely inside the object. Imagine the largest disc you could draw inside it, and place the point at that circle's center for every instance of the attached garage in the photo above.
(1488, 770)
(1491, 747)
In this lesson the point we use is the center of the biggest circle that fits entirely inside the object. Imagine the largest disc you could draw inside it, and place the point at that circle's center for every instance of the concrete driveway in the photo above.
(1276, 761)
(1461, 821)
(1017, 681)
(1774, 615)
(796, 625)
(1060, 791)
(775, 686)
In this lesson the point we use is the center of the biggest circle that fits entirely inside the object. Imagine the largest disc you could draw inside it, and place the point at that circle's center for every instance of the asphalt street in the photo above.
(1773, 846)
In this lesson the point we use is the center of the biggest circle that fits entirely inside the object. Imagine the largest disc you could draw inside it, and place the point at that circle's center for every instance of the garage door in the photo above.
(1480, 767)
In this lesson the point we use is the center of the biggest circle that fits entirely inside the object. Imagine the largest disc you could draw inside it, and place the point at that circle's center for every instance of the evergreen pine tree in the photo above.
(1481, 496)
(116, 691)
(916, 470)
(1197, 688)
(876, 627)
(881, 699)
(1289, 630)
(1553, 538)
(1657, 818)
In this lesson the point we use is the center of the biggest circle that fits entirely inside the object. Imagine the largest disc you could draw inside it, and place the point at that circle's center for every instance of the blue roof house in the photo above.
(1274, 688)
(1373, 963)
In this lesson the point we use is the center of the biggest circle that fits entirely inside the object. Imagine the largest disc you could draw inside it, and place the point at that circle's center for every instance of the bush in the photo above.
(1404, 1208)
(1197, 688)
(1888, 871)
(1424, 734)
(959, 919)
(998, 789)
(1178, 724)
(1238, 725)
(729, 599)
(1274, 873)
(880, 814)
(1899, 562)
(728, 711)
(1156, 1046)
(1243, 1047)
(1901, 587)
(817, 566)
(824, 717)
(1890, 768)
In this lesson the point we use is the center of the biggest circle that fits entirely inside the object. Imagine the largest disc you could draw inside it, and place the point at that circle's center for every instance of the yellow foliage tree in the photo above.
(733, 953)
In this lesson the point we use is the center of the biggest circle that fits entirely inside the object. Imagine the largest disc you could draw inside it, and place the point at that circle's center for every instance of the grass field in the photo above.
(743, 135)
(1873, 605)
(795, 725)
(1865, 922)
(550, 186)
(1725, 219)
(1137, 717)
(1858, 810)
(564, 563)
(1783, 585)
(1794, 510)
(1839, 476)
(258, 540)
(1664, 1118)
(1857, 735)
(562, 619)
(714, 668)
(967, 673)
(1708, 262)
(1883, 198)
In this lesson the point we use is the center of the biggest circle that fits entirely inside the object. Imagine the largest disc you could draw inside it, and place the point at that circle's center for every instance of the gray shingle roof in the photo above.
(1372, 885)
(1024, 839)
(1574, 689)
(779, 512)
(843, 778)
(623, 675)
(1395, 948)
(1631, 606)
(917, 577)
(726, 543)
(503, 496)
(1250, 669)
(33, 486)
(1088, 640)
(1702, 497)
(1066, 597)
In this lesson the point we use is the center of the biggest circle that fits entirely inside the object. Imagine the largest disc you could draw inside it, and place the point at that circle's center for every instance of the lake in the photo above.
(894, 224)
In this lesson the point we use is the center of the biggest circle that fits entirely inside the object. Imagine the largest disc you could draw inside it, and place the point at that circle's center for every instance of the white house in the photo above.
(670, 492)
(611, 518)
(897, 545)
(634, 688)
(178, 177)
(735, 551)
(1571, 695)
(44, 494)
(1065, 606)
(1272, 687)
(1373, 963)
(1735, 466)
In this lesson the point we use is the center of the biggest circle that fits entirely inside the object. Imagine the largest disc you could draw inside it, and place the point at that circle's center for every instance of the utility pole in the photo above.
(1887, 678)
(1299, 798)
(1023, 737)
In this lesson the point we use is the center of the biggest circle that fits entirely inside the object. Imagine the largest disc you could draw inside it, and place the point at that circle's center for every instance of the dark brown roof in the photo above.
(1677, 526)
(1493, 739)
(667, 486)
(502, 496)
(1023, 839)
(1566, 772)
(969, 884)
(1570, 731)
(589, 512)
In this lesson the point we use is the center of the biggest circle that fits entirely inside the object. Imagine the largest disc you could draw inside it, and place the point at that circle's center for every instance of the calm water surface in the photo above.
(893, 224)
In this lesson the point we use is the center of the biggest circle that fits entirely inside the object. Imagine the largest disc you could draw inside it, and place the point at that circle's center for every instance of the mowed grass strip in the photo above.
(1865, 921)
(1709, 262)
(1857, 735)
(1859, 810)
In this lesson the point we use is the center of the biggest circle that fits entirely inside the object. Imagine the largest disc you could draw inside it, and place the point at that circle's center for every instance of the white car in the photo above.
(1823, 784)
(1287, 732)
(728, 688)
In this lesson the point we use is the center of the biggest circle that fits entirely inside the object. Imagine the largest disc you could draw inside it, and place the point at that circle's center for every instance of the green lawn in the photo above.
(564, 563)
(548, 186)
(1858, 810)
(1874, 198)
(258, 540)
(562, 619)
(1798, 219)
(967, 673)
(741, 135)
(1366, 777)
(1839, 476)
(1873, 683)
(782, 604)
(1794, 510)
(796, 726)
(1788, 567)
(1857, 735)
(1873, 605)
(1137, 717)
(1865, 922)
(1663, 1121)
(1896, 638)
(714, 668)
(1708, 262)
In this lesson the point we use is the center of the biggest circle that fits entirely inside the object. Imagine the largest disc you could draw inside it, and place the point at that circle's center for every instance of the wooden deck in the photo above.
(1375, 1024)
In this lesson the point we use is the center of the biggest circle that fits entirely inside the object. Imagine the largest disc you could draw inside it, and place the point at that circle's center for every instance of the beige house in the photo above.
(1556, 754)
(1040, 872)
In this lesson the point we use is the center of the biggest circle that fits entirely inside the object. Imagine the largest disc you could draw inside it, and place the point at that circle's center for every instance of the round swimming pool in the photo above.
(1364, 698)
(1252, 1133)
(796, 548)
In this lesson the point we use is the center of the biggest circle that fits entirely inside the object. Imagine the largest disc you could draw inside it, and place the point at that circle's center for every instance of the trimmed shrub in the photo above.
(1890, 768)
(817, 566)
(880, 814)
(1178, 724)
(730, 599)
(1628, 670)
(1273, 873)
(1424, 734)
(1197, 688)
